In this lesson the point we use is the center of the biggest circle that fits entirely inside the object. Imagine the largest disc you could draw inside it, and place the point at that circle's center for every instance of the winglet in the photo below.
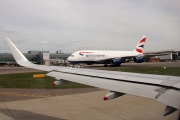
(18, 56)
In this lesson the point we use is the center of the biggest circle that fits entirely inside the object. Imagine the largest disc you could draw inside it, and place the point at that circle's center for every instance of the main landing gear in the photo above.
(106, 65)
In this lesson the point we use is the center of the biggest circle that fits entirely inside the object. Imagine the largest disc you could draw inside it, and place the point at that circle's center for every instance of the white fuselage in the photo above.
(108, 56)
(99, 55)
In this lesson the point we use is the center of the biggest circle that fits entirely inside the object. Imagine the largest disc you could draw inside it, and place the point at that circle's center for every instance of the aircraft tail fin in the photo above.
(140, 46)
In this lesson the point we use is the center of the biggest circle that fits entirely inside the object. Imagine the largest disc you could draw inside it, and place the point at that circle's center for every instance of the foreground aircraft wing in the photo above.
(165, 89)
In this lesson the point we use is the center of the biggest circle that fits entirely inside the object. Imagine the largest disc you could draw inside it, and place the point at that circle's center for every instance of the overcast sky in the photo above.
(71, 25)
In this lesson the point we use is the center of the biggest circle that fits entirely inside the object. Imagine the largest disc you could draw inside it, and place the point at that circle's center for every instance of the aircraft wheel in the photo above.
(119, 65)
(106, 65)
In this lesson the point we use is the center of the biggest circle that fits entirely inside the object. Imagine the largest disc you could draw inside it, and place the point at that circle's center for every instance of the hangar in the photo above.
(170, 55)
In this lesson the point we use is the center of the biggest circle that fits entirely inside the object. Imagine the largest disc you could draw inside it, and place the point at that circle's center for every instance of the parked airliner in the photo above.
(108, 57)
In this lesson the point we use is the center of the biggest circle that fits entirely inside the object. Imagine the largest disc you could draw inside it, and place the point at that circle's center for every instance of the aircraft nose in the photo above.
(69, 59)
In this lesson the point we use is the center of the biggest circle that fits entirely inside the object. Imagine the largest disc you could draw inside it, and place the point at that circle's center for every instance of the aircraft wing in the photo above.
(165, 89)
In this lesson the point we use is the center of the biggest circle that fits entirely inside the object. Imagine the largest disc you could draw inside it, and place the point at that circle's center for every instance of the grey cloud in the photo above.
(4, 42)
(106, 24)
(45, 43)
(8, 31)
(52, 43)
(74, 40)
(3, 30)
(86, 47)
(61, 44)
(20, 41)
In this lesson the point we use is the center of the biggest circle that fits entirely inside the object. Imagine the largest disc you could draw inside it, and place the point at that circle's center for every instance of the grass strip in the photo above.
(172, 71)
(26, 80)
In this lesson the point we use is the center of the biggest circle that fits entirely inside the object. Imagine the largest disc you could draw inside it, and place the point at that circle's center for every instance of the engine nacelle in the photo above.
(59, 82)
(112, 95)
(115, 61)
(138, 59)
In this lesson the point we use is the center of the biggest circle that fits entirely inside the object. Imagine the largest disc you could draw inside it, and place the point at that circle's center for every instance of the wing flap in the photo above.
(177, 85)
(170, 97)
(142, 90)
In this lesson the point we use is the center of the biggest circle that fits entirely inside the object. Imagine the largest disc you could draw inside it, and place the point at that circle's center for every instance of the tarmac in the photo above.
(85, 106)
(78, 104)
(15, 94)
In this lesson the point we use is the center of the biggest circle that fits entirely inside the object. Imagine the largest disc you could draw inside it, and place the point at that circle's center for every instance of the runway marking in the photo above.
(26, 94)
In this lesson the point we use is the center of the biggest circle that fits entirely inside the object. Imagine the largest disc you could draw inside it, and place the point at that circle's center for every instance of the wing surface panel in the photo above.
(114, 85)
(129, 77)
(159, 77)
(170, 97)
(177, 85)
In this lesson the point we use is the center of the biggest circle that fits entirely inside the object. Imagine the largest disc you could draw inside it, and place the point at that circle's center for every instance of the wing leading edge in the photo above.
(165, 89)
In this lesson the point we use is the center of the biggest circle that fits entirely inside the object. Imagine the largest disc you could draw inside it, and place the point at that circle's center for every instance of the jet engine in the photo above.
(59, 82)
(115, 61)
(138, 59)
(112, 95)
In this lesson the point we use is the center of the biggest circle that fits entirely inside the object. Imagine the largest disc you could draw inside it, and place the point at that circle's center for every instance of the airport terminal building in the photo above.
(170, 55)
(37, 57)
